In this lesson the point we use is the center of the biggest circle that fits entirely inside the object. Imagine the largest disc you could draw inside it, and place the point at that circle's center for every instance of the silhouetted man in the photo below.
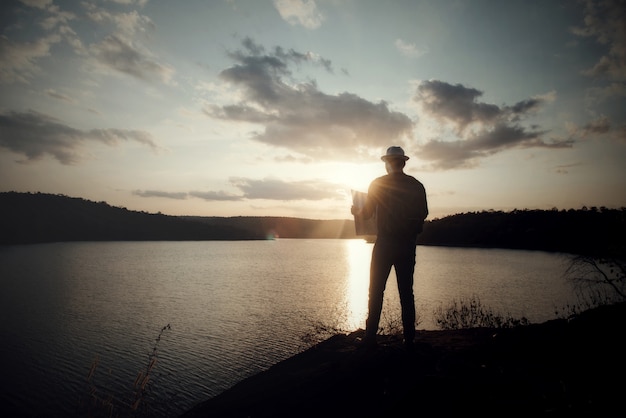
(399, 203)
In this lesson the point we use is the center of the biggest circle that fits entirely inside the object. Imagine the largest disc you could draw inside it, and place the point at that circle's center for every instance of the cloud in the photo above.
(126, 24)
(18, 61)
(156, 193)
(482, 129)
(301, 118)
(620, 134)
(140, 3)
(39, 4)
(120, 49)
(121, 55)
(564, 168)
(599, 125)
(34, 135)
(265, 189)
(60, 96)
(455, 104)
(220, 196)
(408, 49)
(275, 189)
(300, 12)
(291, 159)
(605, 21)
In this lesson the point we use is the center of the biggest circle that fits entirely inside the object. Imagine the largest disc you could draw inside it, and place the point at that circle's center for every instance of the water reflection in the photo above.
(358, 255)
(235, 308)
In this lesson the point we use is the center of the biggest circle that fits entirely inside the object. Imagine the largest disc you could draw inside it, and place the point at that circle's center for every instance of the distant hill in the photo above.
(590, 231)
(38, 217)
(269, 227)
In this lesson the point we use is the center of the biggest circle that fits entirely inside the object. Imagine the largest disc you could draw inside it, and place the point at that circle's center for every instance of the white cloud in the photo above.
(121, 55)
(300, 12)
(408, 49)
(18, 61)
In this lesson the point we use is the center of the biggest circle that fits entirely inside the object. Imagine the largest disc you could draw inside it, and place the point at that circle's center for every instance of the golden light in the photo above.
(359, 255)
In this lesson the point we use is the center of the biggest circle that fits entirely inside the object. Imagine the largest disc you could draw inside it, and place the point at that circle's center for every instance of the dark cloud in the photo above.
(301, 118)
(605, 22)
(113, 136)
(564, 168)
(459, 106)
(482, 129)
(211, 195)
(217, 196)
(600, 125)
(156, 193)
(524, 107)
(34, 135)
(454, 103)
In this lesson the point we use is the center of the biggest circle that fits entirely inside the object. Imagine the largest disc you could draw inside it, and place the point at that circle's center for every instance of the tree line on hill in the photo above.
(28, 218)
(589, 231)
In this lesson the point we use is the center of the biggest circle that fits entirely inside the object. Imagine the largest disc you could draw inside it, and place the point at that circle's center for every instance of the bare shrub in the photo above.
(470, 313)
(604, 276)
(102, 403)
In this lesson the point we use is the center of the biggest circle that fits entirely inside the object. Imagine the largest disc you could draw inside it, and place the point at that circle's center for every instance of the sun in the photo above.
(357, 176)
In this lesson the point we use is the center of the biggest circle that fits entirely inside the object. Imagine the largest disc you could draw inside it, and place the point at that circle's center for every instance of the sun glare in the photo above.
(358, 253)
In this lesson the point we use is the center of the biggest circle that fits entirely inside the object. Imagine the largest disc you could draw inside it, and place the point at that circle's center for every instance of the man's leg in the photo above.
(405, 267)
(380, 268)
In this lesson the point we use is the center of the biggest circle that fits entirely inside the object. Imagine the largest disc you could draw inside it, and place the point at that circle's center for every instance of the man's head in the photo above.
(394, 159)
(394, 152)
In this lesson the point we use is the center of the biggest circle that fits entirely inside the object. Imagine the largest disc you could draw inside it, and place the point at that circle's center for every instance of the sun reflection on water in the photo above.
(359, 255)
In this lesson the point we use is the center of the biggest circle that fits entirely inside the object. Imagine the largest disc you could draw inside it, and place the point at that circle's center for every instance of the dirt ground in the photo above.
(559, 368)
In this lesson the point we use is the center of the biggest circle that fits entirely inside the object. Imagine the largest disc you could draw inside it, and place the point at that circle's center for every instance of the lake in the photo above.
(234, 308)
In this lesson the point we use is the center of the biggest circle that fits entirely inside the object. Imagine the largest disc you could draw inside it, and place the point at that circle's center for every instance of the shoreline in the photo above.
(560, 367)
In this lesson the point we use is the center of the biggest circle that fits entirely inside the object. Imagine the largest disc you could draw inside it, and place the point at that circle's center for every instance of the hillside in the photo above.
(592, 231)
(38, 217)
(282, 227)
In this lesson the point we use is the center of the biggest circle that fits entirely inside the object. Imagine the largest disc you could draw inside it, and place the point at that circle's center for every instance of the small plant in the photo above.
(104, 404)
(318, 333)
(470, 313)
(143, 378)
(390, 324)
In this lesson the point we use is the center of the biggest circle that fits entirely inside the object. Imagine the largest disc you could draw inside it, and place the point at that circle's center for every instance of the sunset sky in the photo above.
(280, 107)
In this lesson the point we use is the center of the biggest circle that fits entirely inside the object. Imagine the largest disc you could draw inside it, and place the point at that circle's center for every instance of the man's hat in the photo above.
(394, 152)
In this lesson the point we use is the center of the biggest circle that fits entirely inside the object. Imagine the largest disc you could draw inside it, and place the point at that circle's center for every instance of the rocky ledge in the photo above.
(561, 367)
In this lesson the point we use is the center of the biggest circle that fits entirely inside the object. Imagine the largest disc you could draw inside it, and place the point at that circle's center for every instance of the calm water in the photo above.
(235, 308)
